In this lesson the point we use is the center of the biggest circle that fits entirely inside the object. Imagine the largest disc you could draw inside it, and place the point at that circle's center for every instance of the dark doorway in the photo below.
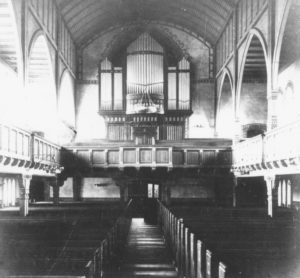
(144, 195)
(251, 192)
(37, 191)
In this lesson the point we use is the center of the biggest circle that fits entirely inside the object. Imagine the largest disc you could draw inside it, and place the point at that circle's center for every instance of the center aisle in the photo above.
(146, 254)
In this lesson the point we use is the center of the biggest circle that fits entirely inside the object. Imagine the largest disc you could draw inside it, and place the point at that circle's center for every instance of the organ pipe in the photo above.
(145, 75)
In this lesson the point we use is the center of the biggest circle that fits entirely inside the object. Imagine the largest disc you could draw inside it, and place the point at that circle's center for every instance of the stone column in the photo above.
(24, 184)
(273, 109)
(270, 183)
(237, 130)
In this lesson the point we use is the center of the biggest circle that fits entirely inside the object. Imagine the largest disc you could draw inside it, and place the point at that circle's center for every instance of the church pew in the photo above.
(46, 237)
(221, 238)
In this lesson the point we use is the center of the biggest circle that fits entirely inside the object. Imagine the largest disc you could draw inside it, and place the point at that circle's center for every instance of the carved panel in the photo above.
(178, 157)
(162, 156)
(129, 156)
(145, 155)
(192, 157)
(113, 157)
(98, 157)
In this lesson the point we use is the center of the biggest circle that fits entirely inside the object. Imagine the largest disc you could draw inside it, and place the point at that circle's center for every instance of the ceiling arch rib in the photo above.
(9, 44)
(205, 18)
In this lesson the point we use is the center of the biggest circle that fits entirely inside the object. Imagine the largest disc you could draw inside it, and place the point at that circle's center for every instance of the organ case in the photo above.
(149, 85)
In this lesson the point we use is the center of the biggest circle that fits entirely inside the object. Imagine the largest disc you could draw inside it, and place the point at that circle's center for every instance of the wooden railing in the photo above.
(187, 154)
(45, 151)
(280, 145)
(25, 149)
(111, 247)
(191, 257)
(14, 142)
(249, 151)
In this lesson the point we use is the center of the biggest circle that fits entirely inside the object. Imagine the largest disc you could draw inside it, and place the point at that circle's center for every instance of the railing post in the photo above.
(178, 242)
(208, 264)
(192, 256)
(181, 270)
(222, 270)
(186, 252)
(199, 259)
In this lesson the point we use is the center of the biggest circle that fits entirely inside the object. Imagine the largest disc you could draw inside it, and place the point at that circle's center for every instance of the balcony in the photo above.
(278, 149)
(21, 150)
(180, 154)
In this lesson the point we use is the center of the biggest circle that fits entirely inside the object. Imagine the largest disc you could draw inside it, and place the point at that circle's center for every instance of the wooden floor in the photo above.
(145, 254)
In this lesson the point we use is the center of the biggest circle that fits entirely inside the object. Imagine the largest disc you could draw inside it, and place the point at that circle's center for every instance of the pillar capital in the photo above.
(270, 181)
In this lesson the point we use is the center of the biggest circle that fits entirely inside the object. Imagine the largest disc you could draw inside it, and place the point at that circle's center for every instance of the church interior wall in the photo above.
(99, 188)
(193, 189)
(251, 109)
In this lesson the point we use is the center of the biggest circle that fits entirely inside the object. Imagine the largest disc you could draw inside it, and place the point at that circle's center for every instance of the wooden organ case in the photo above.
(148, 101)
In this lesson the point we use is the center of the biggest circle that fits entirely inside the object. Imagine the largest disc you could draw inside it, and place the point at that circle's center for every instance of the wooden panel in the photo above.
(129, 156)
(192, 157)
(98, 157)
(224, 157)
(113, 157)
(178, 157)
(146, 156)
(208, 157)
(162, 156)
(84, 156)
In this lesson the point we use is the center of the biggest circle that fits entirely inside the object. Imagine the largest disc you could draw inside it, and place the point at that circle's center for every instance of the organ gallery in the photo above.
(147, 97)
(149, 138)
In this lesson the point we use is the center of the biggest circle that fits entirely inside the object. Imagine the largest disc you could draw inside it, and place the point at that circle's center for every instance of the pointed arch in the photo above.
(66, 100)
(225, 106)
(252, 84)
(279, 41)
(10, 46)
(41, 89)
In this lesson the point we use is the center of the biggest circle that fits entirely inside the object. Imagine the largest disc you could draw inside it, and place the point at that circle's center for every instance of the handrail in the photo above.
(249, 151)
(25, 148)
(109, 247)
(279, 144)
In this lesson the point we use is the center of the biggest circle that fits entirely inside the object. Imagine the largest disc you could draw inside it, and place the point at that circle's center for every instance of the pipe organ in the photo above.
(145, 76)
(150, 99)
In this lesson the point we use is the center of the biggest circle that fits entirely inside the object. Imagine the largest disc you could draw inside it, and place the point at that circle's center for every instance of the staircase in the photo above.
(146, 254)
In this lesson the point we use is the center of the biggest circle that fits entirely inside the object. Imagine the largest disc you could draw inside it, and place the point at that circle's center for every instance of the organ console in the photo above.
(144, 98)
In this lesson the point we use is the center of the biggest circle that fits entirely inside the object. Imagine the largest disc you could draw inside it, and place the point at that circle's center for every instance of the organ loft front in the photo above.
(145, 93)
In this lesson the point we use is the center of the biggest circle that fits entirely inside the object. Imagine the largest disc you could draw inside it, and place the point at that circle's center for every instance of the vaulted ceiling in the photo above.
(203, 18)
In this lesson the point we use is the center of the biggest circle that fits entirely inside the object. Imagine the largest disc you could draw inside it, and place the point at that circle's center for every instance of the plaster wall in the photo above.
(90, 188)
(253, 103)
